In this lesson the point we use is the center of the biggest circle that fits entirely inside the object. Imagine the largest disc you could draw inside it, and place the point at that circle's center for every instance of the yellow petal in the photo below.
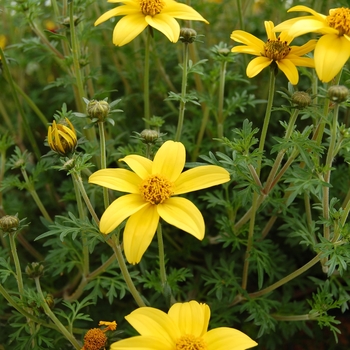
(140, 165)
(201, 177)
(218, 338)
(248, 39)
(269, 30)
(191, 318)
(307, 9)
(141, 343)
(289, 69)
(151, 322)
(117, 179)
(304, 49)
(304, 26)
(246, 49)
(169, 160)
(182, 11)
(117, 11)
(138, 233)
(182, 213)
(256, 65)
(302, 61)
(128, 28)
(119, 210)
(331, 54)
(166, 25)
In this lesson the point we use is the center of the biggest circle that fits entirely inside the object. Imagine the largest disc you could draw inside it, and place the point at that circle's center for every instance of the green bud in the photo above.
(98, 109)
(301, 99)
(34, 270)
(9, 223)
(149, 136)
(338, 93)
(188, 35)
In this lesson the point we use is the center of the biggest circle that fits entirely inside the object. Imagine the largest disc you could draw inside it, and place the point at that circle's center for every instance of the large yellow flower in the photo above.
(184, 327)
(151, 187)
(159, 14)
(275, 50)
(333, 48)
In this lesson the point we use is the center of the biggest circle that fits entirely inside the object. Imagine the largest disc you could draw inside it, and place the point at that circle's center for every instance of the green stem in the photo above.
(147, 112)
(221, 99)
(293, 318)
(35, 196)
(125, 272)
(17, 264)
(103, 160)
(27, 129)
(202, 128)
(266, 118)
(54, 319)
(183, 93)
(163, 277)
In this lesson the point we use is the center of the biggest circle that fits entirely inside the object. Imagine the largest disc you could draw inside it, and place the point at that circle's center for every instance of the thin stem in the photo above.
(125, 272)
(202, 128)
(147, 112)
(163, 277)
(266, 118)
(183, 93)
(294, 318)
(221, 99)
(17, 264)
(54, 319)
(103, 160)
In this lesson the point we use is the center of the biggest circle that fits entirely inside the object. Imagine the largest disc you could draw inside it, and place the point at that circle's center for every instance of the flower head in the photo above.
(184, 327)
(61, 137)
(276, 50)
(138, 14)
(152, 186)
(333, 47)
(95, 339)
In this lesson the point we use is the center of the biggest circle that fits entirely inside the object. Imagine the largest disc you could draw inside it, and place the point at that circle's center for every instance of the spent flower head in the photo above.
(184, 327)
(153, 187)
(332, 49)
(276, 50)
(139, 14)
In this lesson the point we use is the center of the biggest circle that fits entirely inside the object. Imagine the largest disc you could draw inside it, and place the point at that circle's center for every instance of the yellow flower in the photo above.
(333, 48)
(151, 187)
(159, 14)
(274, 51)
(61, 137)
(184, 327)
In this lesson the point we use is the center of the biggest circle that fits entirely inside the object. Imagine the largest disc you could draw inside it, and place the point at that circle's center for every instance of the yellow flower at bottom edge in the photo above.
(151, 187)
(333, 48)
(159, 14)
(184, 327)
(275, 50)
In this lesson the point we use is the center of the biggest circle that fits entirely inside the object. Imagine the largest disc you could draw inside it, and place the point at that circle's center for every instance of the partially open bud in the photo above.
(98, 109)
(62, 138)
(95, 339)
(9, 223)
(301, 99)
(188, 35)
(149, 136)
(34, 270)
(338, 93)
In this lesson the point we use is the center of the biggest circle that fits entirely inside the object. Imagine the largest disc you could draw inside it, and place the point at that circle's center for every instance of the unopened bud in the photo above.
(338, 93)
(34, 270)
(98, 109)
(9, 223)
(149, 136)
(301, 99)
(188, 35)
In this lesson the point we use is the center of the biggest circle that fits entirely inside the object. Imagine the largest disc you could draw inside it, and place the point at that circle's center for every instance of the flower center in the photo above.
(190, 342)
(339, 19)
(151, 7)
(95, 339)
(276, 49)
(156, 189)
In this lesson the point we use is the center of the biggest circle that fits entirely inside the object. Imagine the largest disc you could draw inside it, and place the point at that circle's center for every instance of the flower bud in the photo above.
(338, 93)
(62, 138)
(9, 223)
(98, 109)
(188, 35)
(301, 99)
(34, 270)
(149, 136)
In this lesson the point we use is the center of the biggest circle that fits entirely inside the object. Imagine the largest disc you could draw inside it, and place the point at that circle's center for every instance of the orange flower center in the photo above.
(151, 7)
(190, 342)
(95, 339)
(339, 19)
(276, 49)
(156, 189)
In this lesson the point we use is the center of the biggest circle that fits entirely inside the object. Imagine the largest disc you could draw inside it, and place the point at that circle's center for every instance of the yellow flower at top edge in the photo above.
(152, 187)
(138, 14)
(276, 50)
(184, 327)
(333, 47)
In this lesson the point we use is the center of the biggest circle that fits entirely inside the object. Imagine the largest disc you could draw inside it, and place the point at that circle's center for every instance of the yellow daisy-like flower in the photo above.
(159, 14)
(275, 50)
(184, 327)
(333, 48)
(151, 187)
